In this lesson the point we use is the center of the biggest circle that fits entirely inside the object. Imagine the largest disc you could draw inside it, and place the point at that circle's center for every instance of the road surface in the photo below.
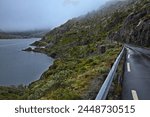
(136, 83)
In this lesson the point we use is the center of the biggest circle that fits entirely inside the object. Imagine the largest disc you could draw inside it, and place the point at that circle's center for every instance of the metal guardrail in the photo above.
(106, 85)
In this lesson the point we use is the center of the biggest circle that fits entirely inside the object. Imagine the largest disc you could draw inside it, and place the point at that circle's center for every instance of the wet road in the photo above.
(136, 83)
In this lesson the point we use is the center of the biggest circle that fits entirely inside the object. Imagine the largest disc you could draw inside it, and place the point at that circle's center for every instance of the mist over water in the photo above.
(20, 15)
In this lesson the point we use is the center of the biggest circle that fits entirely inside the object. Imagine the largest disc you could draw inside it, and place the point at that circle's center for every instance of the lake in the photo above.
(21, 67)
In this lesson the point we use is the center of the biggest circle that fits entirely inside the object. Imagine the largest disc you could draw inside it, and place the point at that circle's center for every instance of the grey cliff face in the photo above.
(135, 28)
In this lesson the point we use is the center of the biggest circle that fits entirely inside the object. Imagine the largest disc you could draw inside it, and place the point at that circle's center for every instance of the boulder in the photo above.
(101, 49)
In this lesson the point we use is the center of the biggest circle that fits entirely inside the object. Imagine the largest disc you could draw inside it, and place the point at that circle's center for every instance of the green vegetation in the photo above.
(39, 43)
(71, 78)
(12, 92)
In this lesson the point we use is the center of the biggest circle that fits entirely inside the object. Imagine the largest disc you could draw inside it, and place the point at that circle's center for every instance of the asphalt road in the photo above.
(136, 82)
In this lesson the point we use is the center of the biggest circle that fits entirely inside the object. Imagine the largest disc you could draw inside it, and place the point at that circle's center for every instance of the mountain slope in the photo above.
(85, 48)
(4, 35)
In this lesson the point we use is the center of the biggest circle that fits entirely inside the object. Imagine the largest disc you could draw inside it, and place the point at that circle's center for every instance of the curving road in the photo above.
(136, 83)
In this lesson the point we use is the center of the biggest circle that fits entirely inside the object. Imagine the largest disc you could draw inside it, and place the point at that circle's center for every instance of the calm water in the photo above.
(20, 67)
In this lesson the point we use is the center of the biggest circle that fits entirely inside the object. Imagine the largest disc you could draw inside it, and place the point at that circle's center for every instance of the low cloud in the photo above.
(20, 15)
(71, 2)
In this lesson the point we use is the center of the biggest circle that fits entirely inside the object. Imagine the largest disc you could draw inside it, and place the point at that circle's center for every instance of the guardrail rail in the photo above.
(107, 83)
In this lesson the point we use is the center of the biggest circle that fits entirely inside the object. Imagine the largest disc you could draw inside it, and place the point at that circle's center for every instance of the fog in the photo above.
(21, 15)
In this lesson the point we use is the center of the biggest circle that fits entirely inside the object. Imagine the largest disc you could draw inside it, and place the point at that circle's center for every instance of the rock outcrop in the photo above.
(135, 28)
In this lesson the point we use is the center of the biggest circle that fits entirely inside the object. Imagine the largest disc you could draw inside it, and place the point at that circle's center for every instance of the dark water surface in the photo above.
(20, 67)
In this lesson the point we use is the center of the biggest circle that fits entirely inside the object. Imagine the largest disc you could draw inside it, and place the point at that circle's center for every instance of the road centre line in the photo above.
(134, 95)
(128, 67)
(128, 56)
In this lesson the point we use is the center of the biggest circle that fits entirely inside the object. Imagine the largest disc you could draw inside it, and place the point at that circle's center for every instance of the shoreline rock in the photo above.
(29, 49)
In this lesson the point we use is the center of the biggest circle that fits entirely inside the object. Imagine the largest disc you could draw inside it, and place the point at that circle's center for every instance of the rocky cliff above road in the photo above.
(135, 28)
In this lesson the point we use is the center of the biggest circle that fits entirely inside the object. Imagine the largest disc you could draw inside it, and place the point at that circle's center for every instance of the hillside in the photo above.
(85, 48)
(4, 35)
(24, 34)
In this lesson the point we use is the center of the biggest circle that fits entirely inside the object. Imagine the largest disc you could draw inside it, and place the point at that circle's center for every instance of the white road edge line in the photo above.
(128, 67)
(128, 56)
(134, 95)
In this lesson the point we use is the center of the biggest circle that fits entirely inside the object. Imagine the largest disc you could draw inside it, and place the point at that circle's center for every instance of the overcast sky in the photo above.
(38, 14)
